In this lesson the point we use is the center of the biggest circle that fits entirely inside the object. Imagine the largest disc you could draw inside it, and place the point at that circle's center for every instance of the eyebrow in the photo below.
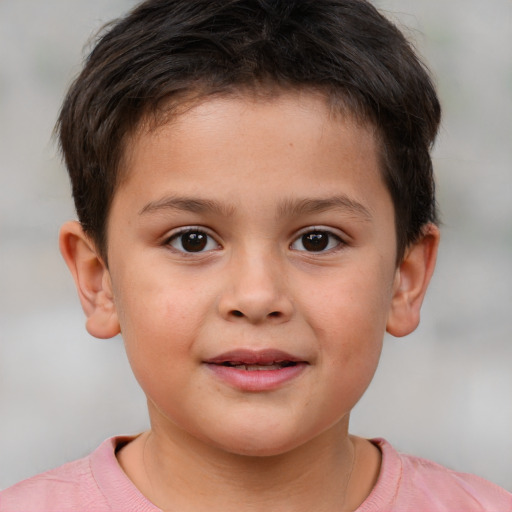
(340, 202)
(189, 204)
(288, 208)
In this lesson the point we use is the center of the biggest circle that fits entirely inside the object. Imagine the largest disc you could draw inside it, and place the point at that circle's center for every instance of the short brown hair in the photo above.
(166, 50)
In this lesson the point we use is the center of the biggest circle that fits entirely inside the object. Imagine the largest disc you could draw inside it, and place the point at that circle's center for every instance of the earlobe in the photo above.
(411, 283)
(92, 280)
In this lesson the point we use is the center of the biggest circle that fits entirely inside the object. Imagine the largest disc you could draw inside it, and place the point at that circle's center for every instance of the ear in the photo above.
(92, 280)
(411, 281)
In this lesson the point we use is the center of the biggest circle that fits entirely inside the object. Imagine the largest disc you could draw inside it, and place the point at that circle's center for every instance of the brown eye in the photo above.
(316, 241)
(193, 241)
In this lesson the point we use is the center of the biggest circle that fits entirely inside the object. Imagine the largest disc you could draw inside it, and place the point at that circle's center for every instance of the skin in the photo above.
(254, 176)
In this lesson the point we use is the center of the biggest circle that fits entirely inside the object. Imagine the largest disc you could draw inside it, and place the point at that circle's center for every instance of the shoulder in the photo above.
(455, 491)
(412, 483)
(95, 482)
(62, 488)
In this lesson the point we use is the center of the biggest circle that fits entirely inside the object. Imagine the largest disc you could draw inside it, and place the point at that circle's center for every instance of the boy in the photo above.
(256, 206)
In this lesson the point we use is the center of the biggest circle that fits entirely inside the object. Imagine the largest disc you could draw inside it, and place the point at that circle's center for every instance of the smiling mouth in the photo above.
(256, 370)
(276, 365)
(256, 360)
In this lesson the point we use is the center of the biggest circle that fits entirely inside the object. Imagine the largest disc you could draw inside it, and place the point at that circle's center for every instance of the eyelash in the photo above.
(333, 241)
(203, 237)
(204, 242)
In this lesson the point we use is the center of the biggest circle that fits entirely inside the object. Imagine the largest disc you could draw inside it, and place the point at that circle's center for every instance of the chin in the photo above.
(261, 448)
(267, 442)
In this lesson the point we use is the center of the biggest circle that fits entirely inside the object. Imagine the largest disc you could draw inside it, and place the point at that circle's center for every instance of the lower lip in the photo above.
(257, 380)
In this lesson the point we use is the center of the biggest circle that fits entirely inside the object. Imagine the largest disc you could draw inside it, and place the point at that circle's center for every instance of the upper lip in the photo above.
(246, 356)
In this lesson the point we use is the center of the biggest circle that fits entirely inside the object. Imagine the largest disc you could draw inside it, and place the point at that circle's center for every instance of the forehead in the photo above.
(254, 139)
(300, 112)
(179, 112)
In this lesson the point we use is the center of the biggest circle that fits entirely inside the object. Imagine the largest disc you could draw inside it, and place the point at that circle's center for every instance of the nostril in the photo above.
(237, 313)
(275, 314)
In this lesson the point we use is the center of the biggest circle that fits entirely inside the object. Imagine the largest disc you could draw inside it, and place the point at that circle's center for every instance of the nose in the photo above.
(256, 290)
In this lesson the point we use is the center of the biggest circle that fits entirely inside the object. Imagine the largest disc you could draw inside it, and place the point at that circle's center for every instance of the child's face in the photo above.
(251, 231)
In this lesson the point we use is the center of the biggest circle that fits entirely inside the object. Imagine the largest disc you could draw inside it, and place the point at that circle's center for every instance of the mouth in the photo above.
(255, 360)
(276, 365)
(262, 370)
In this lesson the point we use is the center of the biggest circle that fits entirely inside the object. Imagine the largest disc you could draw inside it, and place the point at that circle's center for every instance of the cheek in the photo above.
(157, 323)
(351, 305)
(349, 314)
(158, 341)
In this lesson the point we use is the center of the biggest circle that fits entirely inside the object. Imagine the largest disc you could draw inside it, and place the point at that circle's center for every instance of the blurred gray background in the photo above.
(444, 393)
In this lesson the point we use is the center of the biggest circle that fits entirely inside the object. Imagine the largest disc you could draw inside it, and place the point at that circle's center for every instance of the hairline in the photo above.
(167, 111)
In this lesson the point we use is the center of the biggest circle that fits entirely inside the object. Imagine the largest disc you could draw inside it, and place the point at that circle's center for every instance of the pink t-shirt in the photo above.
(406, 484)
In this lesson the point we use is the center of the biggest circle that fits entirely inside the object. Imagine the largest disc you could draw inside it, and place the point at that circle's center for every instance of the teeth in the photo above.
(257, 367)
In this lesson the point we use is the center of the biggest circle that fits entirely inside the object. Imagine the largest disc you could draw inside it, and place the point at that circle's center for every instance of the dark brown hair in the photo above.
(165, 51)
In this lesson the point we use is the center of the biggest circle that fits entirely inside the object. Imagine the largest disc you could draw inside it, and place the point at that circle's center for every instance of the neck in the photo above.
(295, 481)
(177, 472)
(333, 472)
